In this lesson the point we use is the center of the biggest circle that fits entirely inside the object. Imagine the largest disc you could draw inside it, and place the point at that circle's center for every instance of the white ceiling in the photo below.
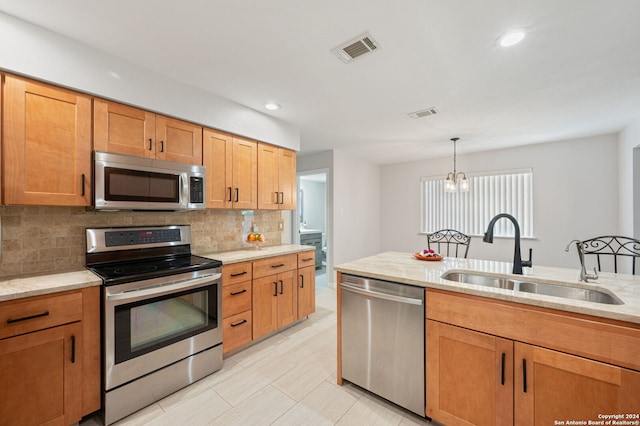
(577, 72)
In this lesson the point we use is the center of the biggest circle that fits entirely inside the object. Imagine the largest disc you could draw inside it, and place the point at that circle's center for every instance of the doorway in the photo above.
(311, 219)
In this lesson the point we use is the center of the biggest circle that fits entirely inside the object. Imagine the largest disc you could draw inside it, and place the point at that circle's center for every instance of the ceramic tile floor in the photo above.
(288, 379)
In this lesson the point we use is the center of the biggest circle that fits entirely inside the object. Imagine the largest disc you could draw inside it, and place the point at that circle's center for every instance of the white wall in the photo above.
(32, 51)
(357, 207)
(314, 204)
(628, 139)
(323, 161)
(575, 196)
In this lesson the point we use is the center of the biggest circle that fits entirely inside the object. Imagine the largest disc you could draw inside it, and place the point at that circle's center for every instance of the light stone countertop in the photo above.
(404, 268)
(19, 287)
(249, 254)
(16, 288)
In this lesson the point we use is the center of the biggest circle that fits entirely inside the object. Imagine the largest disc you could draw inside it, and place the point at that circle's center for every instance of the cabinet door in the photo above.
(217, 149)
(178, 141)
(469, 376)
(245, 174)
(287, 298)
(306, 291)
(123, 129)
(265, 305)
(268, 164)
(42, 377)
(46, 146)
(287, 180)
(551, 385)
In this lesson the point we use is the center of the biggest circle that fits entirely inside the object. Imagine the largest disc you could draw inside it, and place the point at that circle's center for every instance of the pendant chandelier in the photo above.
(456, 180)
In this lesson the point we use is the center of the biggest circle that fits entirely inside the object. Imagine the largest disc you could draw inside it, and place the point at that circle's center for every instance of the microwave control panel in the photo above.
(196, 189)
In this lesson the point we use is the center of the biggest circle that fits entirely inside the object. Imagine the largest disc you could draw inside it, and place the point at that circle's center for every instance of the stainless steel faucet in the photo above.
(584, 276)
(518, 263)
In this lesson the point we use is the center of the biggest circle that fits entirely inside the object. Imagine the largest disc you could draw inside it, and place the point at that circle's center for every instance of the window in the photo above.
(470, 212)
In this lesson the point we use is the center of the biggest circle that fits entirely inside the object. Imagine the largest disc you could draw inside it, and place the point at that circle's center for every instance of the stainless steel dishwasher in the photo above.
(383, 347)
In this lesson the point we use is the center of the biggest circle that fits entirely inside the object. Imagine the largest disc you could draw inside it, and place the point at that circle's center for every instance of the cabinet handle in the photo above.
(502, 369)
(277, 198)
(282, 202)
(235, 293)
(150, 144)
(73, 349)
(275, 289)
(82, 184)
(11, 321)
(239, 274)
(161, 146)
(281, 287)
(230, 189)
(524, 375)
(301, 281)
(278, 266)
(239, 323)
(237, 194)
(307, 259)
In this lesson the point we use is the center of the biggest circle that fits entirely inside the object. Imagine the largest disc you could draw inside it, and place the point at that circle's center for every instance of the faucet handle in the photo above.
(593, 276)
(529, 262)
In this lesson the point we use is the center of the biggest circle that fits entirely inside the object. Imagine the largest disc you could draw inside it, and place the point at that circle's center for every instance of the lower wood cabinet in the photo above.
(552, 386)
(50, 358)
(500, 377)
(265, 295)
(41, 377)
(275, 303)
(306, 291)
(237, 293)
(469, 381)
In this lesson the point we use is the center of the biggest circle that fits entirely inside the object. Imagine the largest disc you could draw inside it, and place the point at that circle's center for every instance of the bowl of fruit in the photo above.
(428, 254)
(256, 239)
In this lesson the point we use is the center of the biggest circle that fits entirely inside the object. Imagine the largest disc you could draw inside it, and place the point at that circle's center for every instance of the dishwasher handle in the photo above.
(377, 295)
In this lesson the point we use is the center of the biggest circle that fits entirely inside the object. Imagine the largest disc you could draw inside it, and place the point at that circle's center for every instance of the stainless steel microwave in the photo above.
(124, 182)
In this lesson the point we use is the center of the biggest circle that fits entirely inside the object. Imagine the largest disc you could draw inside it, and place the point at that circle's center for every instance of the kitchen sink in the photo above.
(485, 280)
(555, 290)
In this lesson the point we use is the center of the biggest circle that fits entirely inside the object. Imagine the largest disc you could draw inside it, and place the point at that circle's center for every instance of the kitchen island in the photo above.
(500, 356)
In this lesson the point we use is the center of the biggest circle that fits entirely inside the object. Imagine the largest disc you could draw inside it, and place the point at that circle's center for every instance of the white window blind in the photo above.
(470, 212)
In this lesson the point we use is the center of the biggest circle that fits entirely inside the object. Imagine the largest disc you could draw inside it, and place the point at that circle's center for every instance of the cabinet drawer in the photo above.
(236, 298)
(236, 273)
(274, 265)
(306, 258)
(40, 312)
(236, 331)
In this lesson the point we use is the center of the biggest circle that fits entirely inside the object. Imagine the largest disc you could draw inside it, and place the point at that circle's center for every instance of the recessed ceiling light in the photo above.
(511, 38)
(272, 106)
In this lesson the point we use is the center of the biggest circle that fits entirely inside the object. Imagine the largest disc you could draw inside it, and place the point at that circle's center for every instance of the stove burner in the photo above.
(141, 269)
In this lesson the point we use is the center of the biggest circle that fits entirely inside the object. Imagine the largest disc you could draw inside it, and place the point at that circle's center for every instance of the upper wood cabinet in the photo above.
(232, 170)
(126, 130)
(276, 178)
(46, 145)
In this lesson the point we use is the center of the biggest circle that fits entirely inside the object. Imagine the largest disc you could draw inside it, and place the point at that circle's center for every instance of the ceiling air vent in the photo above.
(356, 48)
(423, 113)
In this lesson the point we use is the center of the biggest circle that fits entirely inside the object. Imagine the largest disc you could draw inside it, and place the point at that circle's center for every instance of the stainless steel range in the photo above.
(161, 314)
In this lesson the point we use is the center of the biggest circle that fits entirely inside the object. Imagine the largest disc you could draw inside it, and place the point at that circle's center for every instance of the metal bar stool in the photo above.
(450, 238)
(613, 245)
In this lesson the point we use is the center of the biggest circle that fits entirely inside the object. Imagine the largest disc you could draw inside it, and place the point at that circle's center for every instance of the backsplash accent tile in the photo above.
(38, 239)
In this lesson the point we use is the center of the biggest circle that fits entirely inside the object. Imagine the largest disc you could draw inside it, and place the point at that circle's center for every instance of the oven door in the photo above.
(153, 323)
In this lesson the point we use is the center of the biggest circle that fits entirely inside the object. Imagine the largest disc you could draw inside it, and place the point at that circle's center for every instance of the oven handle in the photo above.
(162, 289)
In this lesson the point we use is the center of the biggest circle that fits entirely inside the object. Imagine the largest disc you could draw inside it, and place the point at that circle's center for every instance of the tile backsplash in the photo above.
(38, 239)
